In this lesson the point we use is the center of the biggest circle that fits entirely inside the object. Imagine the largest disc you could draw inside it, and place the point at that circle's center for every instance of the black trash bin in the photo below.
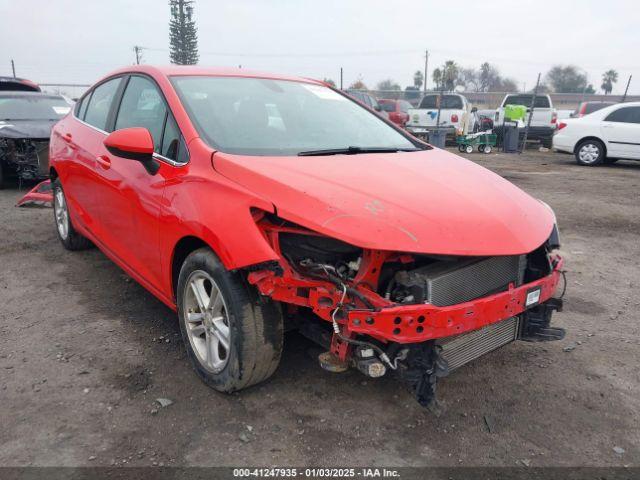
(510, 137)
(437, 138)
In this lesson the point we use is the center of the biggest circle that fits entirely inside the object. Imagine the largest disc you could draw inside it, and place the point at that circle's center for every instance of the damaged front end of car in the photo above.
(26, 158)
(419, 315)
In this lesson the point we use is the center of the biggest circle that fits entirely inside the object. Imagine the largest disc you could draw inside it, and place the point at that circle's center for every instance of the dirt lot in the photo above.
(85, 351)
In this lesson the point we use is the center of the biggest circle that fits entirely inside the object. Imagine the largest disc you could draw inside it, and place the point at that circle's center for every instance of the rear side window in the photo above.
(100, 102)
(541, 102)
(448, 102)
(142, 105)
(625, 115)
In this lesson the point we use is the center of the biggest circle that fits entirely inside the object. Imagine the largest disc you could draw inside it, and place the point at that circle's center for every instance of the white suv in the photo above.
(603, 136)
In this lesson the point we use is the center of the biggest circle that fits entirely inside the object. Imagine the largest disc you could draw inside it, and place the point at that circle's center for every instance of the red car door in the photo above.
(130, 196)
(83, 136)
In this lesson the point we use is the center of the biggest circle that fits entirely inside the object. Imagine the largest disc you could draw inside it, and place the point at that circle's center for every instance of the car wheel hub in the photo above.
(589, 153)
(207, 321)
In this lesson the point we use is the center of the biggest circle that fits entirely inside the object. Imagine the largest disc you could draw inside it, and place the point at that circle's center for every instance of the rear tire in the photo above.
(590, 153)
(233, 339)
(69, 237)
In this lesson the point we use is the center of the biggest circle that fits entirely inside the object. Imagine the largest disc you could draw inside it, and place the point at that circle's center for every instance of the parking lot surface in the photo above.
(85, 352)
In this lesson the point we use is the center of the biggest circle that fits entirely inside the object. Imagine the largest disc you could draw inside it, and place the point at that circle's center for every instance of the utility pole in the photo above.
(624, 97)
(340, 78)
(426, 69)
(138, 50)
(13, 68)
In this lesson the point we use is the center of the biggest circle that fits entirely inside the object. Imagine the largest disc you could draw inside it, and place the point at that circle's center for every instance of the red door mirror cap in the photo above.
(130, 142)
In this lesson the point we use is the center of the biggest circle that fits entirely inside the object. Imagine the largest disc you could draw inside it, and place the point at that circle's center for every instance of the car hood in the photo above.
(26, 128)
(430, 201)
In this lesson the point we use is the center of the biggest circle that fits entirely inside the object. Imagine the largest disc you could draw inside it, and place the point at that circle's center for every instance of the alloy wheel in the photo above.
(207, 321)
(61, 213)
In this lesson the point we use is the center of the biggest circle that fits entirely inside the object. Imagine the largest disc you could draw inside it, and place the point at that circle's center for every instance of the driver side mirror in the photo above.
(474, 109)
(134, 143)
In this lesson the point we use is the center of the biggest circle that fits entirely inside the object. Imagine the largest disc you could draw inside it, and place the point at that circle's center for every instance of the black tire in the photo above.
(461, 148)
(590, 153)
(1, 178)
(481, 148)
(255, 326)
(547, 143)
(72, 240)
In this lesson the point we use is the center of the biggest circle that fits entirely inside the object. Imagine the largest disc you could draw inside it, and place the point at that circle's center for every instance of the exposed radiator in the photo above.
(450, 283)
(462, 349)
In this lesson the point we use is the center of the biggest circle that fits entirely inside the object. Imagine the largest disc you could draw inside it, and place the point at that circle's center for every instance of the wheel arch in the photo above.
(590, 137)
(53, 173)
(181, 250)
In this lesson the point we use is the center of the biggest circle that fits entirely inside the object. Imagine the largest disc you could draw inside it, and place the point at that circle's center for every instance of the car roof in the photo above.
(192, 70)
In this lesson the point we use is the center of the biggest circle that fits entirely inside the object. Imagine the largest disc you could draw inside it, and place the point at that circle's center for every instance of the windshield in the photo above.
(452, 102)
(15, 107)
(257, 116)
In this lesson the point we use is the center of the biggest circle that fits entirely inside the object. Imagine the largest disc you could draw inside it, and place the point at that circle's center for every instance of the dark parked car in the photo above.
(18, 85)
(26, 119)
(368, 101)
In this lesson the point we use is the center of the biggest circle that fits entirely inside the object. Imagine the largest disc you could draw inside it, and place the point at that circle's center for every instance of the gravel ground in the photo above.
(85, 351)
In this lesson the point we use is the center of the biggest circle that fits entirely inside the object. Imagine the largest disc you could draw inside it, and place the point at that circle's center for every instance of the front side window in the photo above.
(256, 116)
(625, 115)
(142, 105)
(100, 103)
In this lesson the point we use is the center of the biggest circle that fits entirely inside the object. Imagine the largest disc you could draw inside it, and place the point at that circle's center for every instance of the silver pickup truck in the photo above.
(543, 122)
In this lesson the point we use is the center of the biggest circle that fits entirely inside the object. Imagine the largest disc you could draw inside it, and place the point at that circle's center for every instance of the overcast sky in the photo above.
(78, 41)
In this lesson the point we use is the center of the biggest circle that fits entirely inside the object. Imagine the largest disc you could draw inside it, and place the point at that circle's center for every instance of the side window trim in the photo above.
(117, 102)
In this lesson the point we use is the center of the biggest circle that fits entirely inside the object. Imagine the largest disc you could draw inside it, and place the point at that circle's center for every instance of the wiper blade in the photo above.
(354, 151)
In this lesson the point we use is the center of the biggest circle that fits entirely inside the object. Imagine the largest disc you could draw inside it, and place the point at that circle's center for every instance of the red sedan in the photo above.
(397, 110)
(249, 202)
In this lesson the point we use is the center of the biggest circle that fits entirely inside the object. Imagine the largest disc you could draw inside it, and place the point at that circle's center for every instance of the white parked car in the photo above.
(455, 115)
(603, 136)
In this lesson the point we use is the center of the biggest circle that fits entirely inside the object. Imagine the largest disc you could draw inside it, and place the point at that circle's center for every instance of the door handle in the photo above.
(104, 161)
(67, 137)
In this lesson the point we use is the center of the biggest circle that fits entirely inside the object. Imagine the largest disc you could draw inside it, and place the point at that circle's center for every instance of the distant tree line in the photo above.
(487, 78)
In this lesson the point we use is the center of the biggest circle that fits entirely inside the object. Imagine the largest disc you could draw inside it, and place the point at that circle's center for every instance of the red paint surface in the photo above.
(425, 202)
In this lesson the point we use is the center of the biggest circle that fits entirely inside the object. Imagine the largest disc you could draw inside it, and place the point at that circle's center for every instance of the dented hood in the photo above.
(430, 201)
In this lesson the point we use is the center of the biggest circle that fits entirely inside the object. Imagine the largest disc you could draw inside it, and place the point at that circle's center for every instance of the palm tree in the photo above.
(608, 79)
(450, 73)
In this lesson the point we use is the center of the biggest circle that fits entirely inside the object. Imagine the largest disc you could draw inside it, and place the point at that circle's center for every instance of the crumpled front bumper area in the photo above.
(418, 323)
(390, 322)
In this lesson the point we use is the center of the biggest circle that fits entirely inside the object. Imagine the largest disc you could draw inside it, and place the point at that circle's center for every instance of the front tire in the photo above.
(233, 339)
(69, 237)
(590, 153)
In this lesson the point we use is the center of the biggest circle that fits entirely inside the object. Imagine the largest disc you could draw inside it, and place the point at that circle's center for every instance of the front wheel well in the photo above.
(53, 174)
(579, 142)
(183, 248)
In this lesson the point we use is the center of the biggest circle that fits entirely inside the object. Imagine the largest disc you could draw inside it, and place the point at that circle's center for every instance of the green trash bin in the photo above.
(515, 113)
